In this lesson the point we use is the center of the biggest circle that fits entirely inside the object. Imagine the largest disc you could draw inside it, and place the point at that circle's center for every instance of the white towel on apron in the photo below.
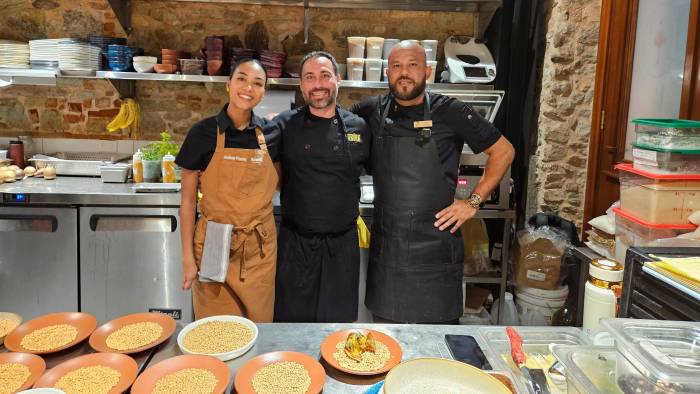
(217, 246)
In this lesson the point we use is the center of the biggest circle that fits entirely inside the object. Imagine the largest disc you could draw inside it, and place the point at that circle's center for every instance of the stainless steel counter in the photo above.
(415, 340)
(66, 190)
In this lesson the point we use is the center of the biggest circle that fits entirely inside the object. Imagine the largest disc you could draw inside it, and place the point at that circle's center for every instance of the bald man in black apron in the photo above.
(416, 253)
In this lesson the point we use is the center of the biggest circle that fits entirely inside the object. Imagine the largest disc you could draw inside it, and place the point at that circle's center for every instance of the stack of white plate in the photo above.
(78, 58)
(14, 54)
(43, 54)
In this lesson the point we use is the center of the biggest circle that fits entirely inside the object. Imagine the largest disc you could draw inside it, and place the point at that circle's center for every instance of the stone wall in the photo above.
(80, 108)
(558, 167)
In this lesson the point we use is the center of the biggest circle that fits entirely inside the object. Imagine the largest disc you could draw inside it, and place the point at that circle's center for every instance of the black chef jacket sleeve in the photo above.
(365, 108)
(192, 155)
(471, 127)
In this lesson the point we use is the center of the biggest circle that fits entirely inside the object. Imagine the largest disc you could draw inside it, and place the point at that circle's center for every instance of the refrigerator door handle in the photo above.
(28, 223)
(138, 223)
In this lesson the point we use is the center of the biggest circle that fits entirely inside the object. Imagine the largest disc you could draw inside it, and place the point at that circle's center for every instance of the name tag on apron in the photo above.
(422, 124)
(217, 246)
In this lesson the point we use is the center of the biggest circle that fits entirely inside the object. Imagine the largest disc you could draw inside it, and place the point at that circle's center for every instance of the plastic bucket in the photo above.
(536, 306)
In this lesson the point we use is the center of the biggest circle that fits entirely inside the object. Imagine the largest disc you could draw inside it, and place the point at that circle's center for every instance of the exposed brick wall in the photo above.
(566, 99)
(81, 108)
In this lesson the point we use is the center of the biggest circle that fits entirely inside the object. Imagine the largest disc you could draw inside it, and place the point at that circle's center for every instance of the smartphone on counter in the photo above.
(464, 348)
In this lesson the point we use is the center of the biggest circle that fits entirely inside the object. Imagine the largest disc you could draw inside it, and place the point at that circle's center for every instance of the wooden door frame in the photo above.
(613, 83)
(690, 96)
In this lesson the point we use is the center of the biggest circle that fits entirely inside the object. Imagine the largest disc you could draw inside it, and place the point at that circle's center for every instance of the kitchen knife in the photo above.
(516, 352)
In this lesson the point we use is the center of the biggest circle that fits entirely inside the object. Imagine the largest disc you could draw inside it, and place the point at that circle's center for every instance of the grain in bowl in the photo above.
(49, 338)
(12, 377)
(133, 336)
(217, 336)
(282, 377)
(96, 379)
(188, 380)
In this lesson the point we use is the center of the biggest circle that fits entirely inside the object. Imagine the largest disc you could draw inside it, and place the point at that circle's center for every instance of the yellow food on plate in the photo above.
(369, 361)
(49, 338)
(282, 377)
(12, 377)
(96, 379)
(189, 380)
(133, 336)
(215, 337)
(6, 326)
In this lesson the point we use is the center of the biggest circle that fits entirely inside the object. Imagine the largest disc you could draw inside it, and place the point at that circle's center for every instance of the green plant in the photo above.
(157, 149)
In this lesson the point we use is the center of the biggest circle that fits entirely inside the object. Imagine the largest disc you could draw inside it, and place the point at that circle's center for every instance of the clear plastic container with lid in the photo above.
(589, 369)
(633, 231)
(657, 198)
(667, 133)
(536, 341)
(656, 356)
(666, 161)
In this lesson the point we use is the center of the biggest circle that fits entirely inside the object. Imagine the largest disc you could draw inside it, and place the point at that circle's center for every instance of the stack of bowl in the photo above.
(131, 52)
(192, 66)
(118, 57)
(172, 57)
(238, 54)
(214, 53)
(144, 64)
(273, 62)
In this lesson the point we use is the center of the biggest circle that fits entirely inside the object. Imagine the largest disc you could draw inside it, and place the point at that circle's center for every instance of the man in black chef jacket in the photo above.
(416, 253)
(324, 149)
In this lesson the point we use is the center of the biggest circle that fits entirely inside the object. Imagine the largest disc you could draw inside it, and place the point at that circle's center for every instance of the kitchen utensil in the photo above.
(441, 375)
(468, 60)
(148, 379)
(36, 366)
(85, 323)
(244, 376)
(328, 347)
(98, 339)
(226, 318)
(516, 351)
(125, 365)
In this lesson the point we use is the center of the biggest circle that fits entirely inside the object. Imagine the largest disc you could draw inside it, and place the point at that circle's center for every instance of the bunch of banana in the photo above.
(129, 117)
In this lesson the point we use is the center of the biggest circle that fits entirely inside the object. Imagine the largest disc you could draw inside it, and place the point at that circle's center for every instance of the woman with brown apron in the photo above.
(229, 255)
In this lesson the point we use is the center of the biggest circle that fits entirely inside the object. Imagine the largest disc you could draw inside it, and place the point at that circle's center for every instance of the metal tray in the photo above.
(77, 163)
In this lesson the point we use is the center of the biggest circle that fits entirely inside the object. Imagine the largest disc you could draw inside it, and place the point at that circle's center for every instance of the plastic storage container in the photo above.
(114, 173)
(632, 231)
(667, 134)
(373, 69)
(589, 369)
(356, 47)
(656, 356)
(430, 47)
(657, 198)
(536, 342)
(666, 161)
(510, 313)
(375, 46)
(355, 68)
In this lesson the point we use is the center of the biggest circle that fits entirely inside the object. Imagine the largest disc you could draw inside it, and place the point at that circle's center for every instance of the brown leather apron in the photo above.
(237, 189)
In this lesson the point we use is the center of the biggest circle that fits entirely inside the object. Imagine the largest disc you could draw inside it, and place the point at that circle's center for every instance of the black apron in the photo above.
(318, 273)
(415, 270)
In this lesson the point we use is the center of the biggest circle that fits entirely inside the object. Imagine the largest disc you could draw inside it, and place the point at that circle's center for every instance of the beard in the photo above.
(321, 103)
(407, 94)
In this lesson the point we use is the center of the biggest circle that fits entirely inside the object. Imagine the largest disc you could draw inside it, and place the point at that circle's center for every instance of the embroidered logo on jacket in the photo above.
(354, 137)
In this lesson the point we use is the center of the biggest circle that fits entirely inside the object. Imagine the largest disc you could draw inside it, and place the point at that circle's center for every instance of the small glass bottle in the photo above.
(169, 169)
(137, 167)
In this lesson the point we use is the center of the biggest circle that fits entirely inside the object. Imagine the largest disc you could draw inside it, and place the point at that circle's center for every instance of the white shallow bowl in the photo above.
(143, 67)
(227, 318)
(440, 376)
(43, 390)
(145, 59)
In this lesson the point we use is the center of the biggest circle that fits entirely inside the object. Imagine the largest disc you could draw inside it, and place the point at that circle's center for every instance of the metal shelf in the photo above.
(401, 5)
(481, 279)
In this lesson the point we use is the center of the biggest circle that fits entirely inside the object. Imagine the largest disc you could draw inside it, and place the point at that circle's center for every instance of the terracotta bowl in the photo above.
(148, 379)
(214, 67)
(9, 316)
(36, 366)
(165, 68)
(125, 365)
(98, 339)
(329, 344)
(244, 376)
(83, 322)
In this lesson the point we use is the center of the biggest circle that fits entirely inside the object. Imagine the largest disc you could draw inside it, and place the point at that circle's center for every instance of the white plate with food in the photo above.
(224, 337)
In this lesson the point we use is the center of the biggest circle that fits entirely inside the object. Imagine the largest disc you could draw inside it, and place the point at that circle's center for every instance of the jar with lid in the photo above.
(602, 292)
